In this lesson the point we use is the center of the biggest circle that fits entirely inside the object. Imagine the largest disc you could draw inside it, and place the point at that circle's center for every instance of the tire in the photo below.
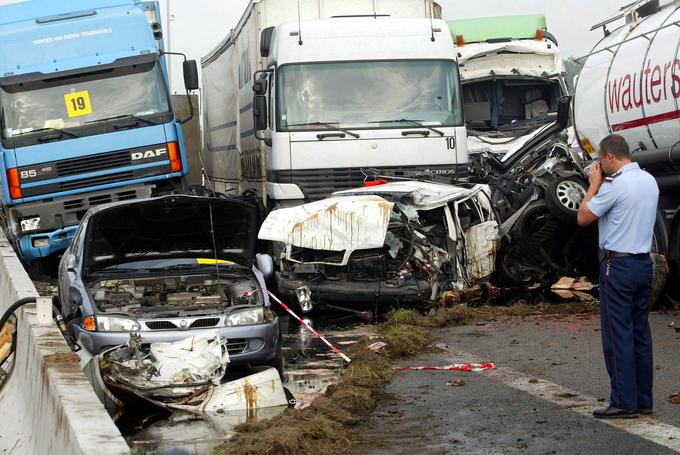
(533, 220)
(564, 197)
(507, 273)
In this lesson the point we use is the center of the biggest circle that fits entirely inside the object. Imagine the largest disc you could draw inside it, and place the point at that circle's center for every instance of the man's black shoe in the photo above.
(646, 411)
(614, 413)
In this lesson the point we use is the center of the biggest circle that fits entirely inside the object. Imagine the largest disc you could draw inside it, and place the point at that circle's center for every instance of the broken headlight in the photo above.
(250, 316)
(110, 324)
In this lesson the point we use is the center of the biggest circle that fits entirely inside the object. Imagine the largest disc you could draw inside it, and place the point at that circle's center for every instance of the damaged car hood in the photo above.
(419, 195)
(170, 227)
(356, 219)
(333, 224)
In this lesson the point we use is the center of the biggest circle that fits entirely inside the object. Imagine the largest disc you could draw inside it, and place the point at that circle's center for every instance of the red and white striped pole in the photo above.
(310, 328)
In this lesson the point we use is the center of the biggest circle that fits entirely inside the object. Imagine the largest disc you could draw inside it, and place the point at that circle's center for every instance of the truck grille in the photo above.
(317, 184)
(93, 163)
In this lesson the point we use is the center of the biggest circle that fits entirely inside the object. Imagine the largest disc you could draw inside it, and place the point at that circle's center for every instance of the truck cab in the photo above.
(333, 97)
(86, 115)
(512, 75)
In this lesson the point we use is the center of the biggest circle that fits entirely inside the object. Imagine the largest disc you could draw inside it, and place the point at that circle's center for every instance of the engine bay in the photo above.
(174, 296)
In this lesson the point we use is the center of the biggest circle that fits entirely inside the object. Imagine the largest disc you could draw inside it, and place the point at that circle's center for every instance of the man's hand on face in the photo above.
(596, 175)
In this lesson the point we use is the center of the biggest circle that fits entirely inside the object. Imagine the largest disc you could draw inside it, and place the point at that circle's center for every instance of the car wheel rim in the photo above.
(570, 194)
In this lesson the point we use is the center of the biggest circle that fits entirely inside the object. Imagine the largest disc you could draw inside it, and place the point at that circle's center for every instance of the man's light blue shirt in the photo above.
(626, 210)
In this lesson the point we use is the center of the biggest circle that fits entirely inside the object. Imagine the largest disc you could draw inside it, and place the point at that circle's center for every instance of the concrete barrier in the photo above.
(47, 406)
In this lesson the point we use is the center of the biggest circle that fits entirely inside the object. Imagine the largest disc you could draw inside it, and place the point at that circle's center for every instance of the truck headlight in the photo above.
(30, 224)
(250, 316)
(101, 323)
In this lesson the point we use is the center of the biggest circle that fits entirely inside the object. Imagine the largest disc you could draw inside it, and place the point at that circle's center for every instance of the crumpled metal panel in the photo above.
(335, 224)
(481, 242)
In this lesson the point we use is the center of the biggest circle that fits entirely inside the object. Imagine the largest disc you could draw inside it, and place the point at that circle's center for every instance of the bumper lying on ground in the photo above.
(246, 344)
(411, 290)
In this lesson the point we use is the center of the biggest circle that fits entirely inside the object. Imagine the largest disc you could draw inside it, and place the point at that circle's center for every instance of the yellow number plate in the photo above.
(78, 103)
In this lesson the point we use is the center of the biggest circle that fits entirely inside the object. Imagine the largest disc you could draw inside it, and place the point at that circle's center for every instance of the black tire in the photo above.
(533, 220)
(564, 196)
(507, 270)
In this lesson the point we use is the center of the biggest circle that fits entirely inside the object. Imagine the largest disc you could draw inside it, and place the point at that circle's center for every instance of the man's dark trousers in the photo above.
(625, 293)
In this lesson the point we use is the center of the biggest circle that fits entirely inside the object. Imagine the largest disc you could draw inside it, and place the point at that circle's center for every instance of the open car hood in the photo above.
(171, 227)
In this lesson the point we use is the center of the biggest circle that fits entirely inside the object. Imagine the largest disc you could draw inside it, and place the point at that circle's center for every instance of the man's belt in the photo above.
(606, 254)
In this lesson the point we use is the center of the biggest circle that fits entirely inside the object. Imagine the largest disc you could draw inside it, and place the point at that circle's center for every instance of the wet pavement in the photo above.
(309, 369)
(491, 415)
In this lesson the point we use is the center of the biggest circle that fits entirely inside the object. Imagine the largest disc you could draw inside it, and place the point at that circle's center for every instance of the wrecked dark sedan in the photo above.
(395, 242)
(168, 268)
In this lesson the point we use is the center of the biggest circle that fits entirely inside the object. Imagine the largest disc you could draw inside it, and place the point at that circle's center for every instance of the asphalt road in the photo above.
(550, 376)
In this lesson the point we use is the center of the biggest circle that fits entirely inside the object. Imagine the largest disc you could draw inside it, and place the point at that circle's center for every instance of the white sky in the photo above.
(199, 25)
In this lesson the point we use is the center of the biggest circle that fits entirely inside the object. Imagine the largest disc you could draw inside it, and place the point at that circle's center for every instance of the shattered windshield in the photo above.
(68, 105)
(369, 94)
(511, 107)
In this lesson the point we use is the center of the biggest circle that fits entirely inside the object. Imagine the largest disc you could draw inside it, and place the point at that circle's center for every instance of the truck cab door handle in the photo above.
(416, 132)
(323, 136)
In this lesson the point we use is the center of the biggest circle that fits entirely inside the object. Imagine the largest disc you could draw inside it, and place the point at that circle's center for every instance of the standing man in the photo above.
(623, 199)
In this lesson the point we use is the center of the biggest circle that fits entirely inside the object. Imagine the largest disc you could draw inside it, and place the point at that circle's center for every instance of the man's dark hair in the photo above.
(615, 145)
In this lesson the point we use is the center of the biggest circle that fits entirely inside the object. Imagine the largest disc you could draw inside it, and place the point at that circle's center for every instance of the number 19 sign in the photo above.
(78, 103)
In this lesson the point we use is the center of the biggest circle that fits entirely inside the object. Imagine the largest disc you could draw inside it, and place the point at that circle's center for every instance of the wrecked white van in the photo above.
(390, 242)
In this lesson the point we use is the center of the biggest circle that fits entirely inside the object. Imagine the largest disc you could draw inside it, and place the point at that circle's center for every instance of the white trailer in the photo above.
(630, 85)
(341, 86)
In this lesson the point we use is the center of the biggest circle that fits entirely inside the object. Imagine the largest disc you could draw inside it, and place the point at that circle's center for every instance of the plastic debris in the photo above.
(377, 346)
(184, 375)
(466, 367)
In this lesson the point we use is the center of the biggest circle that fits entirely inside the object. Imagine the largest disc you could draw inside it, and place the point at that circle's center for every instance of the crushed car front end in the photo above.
(397, 242)
(168, 269)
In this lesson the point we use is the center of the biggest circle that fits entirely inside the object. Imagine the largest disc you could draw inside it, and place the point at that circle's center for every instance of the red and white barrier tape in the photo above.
(318, 335)
(467, 367)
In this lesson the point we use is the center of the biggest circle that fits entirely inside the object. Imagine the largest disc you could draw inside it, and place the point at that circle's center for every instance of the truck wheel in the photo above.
(564, 197)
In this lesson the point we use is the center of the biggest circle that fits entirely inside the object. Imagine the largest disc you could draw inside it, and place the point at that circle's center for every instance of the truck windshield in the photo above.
(83, 104)
(369, 95)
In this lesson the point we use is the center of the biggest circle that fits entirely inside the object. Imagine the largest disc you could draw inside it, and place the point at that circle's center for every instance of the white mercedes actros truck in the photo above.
(304, 98)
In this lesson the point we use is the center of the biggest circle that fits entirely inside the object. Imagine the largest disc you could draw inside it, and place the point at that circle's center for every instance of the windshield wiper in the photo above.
(56, 130)
(413, 122)
(330, 127)
(121, 117)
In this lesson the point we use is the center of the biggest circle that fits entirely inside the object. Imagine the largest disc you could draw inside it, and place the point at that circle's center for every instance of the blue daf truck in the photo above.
(85, 115)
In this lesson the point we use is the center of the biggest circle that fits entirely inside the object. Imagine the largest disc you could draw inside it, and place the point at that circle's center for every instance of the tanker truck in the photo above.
(630, 85)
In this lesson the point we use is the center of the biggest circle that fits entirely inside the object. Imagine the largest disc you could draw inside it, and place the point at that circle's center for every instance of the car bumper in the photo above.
(411, 290)
(253, 344)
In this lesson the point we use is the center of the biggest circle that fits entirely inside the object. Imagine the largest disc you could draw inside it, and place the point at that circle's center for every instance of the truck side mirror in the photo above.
(563, 111)
(190, 69)
(260, 112)
(260, 86)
